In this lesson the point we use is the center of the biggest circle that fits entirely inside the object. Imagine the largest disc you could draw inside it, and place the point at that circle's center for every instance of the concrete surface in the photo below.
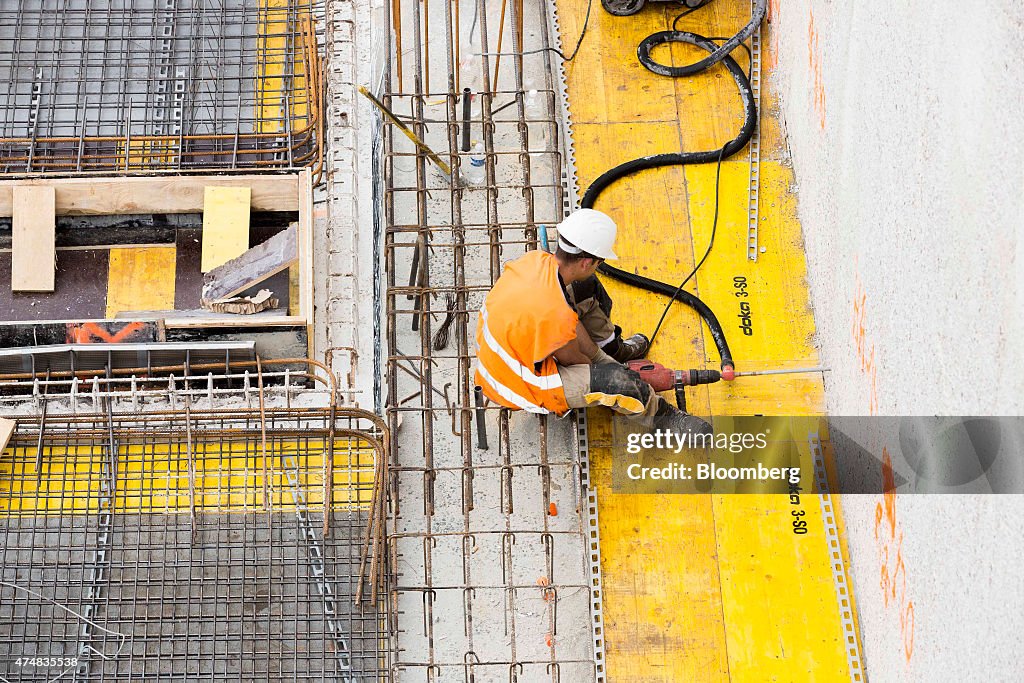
(469, 606)
(343, 255)
(904, 126)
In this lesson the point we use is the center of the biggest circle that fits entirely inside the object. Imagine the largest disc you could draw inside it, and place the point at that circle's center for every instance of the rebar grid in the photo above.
(186, 545)
(206, 390)
(123, 86)
(486, 540)
(199, 384)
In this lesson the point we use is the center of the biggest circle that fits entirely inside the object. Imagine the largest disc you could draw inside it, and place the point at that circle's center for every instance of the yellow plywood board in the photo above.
(140, 279)
(33, 233)
(702, 588)
(225, 225)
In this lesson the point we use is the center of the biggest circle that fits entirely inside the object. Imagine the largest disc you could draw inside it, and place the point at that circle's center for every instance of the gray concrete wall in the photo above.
(904, 123)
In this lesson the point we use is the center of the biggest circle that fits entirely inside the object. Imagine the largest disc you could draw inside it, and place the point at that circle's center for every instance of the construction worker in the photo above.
(546, 342)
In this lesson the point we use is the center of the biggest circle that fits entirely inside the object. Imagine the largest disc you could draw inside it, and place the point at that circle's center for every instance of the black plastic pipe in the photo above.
(681, 159)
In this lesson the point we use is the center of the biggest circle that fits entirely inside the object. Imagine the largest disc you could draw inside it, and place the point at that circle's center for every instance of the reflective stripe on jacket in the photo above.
(524, 320)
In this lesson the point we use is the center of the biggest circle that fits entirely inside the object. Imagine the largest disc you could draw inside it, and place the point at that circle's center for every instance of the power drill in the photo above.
(662, 379)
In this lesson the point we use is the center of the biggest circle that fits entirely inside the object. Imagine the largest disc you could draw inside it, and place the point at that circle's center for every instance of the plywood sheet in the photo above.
(33, 240)
(188, 276)
(140, 279)
(225, 225)
(80, 289)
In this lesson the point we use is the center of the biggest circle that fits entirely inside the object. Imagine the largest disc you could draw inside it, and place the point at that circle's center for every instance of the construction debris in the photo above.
(246, 305)
(253, 266)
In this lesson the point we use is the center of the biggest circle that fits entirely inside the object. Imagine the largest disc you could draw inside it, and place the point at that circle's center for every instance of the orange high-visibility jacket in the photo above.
(524, 320)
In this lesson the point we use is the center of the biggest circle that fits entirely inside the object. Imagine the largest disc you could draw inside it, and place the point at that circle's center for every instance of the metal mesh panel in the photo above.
(133, 85)
(193, 546)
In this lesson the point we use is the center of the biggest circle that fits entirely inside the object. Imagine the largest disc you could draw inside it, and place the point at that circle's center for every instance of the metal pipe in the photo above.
(481, 423)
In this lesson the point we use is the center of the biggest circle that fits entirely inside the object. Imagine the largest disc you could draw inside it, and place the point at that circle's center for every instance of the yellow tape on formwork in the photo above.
(155, 477)
(702, 588)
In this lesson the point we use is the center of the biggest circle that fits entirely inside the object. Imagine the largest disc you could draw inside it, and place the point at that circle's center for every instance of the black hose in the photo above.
(680, 159)
(718, 53)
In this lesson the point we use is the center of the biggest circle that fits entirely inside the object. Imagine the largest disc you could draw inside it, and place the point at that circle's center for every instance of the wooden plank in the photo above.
(252, 267)
(305, 238)
(225, 225)
(33, 241)
(140, 279)
(201, 318)
(202, 314)
(7, 428)
(160, 194)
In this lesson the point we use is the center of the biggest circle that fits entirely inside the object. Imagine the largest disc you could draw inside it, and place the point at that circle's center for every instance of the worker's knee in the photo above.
(591, 288)
(616, 379)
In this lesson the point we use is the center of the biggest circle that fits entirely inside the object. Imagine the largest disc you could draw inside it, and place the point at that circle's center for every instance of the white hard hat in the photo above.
(590, 231)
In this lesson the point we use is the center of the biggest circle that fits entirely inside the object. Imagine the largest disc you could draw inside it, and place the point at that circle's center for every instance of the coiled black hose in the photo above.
(718, 53)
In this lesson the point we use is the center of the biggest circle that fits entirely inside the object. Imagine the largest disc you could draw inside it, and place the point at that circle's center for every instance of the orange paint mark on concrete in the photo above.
(907, 628)
(814, 68)
(890, 547)
(772, 53)
(889, 491)
(865, 349)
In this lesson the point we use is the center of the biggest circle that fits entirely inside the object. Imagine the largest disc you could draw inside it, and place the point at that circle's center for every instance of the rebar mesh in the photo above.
(121, 86)
(191, 546)
(487, 542)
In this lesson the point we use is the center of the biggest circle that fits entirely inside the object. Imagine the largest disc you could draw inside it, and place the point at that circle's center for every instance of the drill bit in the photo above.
(794, 371)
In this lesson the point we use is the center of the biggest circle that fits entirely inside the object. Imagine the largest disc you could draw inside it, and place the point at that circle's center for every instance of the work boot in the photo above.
(684, 423)
(629, 349)
(679, 421)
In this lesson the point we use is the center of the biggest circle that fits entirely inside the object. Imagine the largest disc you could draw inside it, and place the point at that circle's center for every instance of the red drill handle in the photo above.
(662, 379)
(657, 375)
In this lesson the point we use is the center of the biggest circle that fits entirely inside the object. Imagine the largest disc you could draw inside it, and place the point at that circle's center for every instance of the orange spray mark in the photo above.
(893, 582)
(771, 54)
(865, 350)
(814, 68)
(89, 333)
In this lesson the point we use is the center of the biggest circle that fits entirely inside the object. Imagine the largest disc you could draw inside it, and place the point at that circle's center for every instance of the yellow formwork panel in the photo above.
(140, 279)
(225, 224)
(155, 477)
(702, 588)
(281, 88)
